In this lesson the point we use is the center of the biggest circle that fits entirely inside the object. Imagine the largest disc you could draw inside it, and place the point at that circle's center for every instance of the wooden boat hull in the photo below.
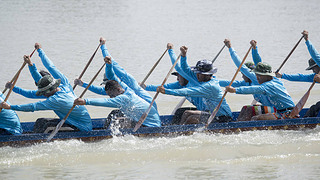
(29, 138)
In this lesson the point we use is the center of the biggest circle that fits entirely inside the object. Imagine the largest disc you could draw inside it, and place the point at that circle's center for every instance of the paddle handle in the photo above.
(225, 93)
(215, 58)
(86, 67)
(55, 131)
(145, 114)
(14, 77)
(14, 83)
(285, 60)
(153, 67)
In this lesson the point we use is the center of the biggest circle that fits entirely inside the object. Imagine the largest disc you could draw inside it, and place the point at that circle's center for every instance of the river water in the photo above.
(137, 32)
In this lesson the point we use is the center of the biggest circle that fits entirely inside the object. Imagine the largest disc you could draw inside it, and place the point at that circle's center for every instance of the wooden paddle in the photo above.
(14, 83)
(184, 99)
(285, 60)
(296, 110)
(55, 131)
(214, 113)
(145, 114)
(14, 77)
(86, 67)
(151, 70)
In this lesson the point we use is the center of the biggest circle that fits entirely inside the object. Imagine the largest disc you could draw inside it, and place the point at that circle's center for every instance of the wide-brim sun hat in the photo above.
(312, 64)
(263, 69)
(204, 67)
(47, 84)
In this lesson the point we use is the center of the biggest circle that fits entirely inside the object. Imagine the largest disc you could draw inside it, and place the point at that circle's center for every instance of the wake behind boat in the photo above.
(99, 132)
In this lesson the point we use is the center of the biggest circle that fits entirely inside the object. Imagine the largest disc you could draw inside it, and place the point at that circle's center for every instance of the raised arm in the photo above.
(312, 51)
(32, 69)
(51, 67)
(244, 69)
(255, 55)
(191, 76)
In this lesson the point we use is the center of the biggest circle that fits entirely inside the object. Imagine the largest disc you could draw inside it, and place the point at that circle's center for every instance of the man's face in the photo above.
(316, 69)
(50, 93)
(203, 77)
(245, 78)
(182, 81)
(262, 78)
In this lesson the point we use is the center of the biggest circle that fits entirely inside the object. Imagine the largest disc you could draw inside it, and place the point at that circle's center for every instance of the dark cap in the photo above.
(175, 74)
(204, 67)
(312, 64)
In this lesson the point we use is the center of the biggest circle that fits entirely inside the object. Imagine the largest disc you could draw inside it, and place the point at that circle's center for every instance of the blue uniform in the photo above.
(132, 105)
(61, 102)
(264, 100)
(274, 89)
(299, 77)
(196, 101)
(210, 91)
(9, 119)
(127, 78)
(313, 52)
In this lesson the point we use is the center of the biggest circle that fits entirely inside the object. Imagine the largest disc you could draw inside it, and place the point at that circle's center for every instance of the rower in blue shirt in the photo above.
(58, 94)
(9, 120)
(208, 89)
(314, 65)
(271, 87)
(182, 82)
(250, 79)
(122, 96)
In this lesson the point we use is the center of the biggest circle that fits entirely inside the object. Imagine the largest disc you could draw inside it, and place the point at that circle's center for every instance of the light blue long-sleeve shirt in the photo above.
(179, 69)
(313, 52)
(9, 119)
(96, 89)
(210, 92)
(255, 56)
(132, 105)
(61, 102)
(196, 101)
(299, 77)
(274, 90)
(264, 100)
(210, 96)
(127, 78)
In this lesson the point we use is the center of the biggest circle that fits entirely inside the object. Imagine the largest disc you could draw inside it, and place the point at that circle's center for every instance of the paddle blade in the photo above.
(214, 113)
(55, 131)
(141, 120)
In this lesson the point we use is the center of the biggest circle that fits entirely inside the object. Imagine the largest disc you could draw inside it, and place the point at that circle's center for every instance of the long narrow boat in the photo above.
(99, 132)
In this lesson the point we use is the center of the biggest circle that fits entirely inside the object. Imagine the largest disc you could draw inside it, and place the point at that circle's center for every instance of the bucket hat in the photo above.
(204, 67)
(263, 69)
(250, 65)
(312, 64)
(47, 84)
